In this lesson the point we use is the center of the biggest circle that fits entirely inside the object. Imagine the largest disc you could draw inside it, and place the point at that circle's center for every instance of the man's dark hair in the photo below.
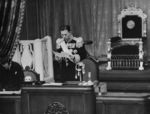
(64, 27)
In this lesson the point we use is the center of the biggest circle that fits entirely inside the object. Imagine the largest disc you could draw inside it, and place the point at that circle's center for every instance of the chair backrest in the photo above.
(132, 23)
(36, 54)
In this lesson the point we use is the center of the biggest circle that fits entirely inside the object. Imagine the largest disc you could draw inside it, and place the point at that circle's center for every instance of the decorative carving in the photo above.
(56, 108)
(132, 11)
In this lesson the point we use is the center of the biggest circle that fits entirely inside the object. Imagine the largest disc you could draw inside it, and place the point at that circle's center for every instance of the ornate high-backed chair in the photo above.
(37, 56)
(126, 50)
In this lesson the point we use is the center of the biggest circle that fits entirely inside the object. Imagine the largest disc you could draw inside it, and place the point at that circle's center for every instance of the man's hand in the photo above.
(57, 58)
(76, 58)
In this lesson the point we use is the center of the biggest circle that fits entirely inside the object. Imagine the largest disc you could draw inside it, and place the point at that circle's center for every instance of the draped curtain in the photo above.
(11, 17)
(94, 20)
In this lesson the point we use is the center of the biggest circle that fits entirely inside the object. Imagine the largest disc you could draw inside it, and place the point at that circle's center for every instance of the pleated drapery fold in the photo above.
(11, 18)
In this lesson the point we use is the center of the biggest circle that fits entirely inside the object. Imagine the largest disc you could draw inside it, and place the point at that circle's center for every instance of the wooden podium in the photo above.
(10, 104)
(76, 99)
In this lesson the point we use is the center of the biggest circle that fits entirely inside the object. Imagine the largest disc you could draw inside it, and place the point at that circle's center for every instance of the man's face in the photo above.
(65, 34)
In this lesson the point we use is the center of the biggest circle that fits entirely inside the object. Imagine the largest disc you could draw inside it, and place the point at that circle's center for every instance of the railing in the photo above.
(125, 62)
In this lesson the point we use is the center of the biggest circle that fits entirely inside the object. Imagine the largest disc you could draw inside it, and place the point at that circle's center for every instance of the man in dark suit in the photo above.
(11, 75)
